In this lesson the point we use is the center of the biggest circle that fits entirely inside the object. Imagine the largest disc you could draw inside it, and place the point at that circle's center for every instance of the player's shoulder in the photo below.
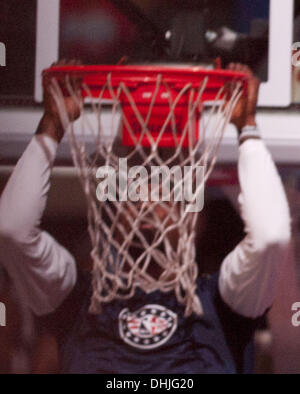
(209, 293)
(208, 283)
(61, 321)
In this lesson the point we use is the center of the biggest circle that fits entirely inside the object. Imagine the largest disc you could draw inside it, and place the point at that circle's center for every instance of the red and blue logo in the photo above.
(148, 328)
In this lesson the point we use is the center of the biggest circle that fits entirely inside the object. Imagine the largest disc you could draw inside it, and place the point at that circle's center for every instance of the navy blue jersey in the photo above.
(149, 334)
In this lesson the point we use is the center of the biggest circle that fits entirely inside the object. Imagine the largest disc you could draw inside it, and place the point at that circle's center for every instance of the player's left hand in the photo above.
(244, 113)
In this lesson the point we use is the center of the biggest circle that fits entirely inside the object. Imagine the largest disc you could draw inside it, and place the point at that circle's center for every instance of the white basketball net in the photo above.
(132, 243)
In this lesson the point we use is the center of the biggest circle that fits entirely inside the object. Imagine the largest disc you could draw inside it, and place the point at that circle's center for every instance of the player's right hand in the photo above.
(72, 103)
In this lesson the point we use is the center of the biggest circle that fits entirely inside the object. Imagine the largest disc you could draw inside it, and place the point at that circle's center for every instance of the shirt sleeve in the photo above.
(44, 272)
(248, 276)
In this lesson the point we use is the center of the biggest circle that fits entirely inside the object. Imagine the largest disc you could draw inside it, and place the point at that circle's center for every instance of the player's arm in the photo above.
(249, 273)
(43, 271)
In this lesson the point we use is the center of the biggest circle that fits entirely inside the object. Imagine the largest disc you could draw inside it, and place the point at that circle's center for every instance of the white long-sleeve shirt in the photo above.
(45, 272)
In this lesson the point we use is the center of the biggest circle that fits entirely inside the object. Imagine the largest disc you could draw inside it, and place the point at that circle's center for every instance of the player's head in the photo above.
(156, 227)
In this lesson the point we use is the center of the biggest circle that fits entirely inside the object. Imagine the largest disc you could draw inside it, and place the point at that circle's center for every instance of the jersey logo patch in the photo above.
(148, 328)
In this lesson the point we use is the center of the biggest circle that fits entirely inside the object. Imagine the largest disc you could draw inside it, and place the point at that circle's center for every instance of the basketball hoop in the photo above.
(161, 125)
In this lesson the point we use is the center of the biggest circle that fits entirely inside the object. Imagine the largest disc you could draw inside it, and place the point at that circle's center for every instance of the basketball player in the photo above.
(149, 333)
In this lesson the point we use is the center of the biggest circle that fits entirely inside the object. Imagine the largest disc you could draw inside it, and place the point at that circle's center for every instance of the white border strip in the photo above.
(47, 40)
(277, 92)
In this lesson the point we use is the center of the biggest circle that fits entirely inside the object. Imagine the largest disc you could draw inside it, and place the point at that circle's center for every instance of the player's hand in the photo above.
(245, 111)
(51, 123)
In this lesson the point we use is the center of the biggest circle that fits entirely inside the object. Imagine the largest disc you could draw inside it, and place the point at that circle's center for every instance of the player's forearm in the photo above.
(249, 273)
(43, 271)
(24, 198)
(51, 128)
(264, 204)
